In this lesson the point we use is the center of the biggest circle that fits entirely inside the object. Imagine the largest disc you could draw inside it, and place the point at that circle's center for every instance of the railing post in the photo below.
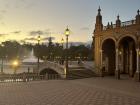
(24, 77)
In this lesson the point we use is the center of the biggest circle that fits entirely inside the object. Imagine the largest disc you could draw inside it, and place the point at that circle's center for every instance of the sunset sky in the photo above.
(24, 19)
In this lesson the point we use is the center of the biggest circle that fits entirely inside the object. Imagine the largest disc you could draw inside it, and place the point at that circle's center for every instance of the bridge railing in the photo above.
(56, 66)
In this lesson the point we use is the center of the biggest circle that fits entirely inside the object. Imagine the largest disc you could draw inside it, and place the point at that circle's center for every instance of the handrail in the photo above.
(87, 66)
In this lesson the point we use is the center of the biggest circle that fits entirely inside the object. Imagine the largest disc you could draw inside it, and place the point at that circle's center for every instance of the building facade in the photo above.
(117, 47)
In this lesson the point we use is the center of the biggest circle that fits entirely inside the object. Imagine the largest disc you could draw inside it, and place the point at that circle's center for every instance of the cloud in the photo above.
(30, 39)
(1, 35)
(42, 39)
(84, 28)
(16, 32)
(49, 38)
(2, 13)
(39, 32)
(2, 23)
(26, 4)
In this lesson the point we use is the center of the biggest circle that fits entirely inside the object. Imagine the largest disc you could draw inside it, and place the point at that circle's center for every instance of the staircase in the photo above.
(80, 72)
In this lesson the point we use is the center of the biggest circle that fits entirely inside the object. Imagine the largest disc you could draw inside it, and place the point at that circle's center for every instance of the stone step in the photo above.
(81, 73)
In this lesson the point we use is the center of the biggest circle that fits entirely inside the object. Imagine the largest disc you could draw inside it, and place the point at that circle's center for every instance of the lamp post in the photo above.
(67, 33)
(62, 56)
(2, 57)
(38, 39)
(62, 41)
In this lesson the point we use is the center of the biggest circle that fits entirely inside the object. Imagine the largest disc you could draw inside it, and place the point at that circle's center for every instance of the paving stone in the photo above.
(90, 91)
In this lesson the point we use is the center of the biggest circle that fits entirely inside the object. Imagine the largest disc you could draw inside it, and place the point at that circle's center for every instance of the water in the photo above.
(8, 69)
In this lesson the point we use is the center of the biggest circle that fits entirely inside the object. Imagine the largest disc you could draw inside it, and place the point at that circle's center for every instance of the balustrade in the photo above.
(123, 24)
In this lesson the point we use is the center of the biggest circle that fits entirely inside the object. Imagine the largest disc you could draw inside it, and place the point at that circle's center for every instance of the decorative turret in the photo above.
(138, 17)
(118, 22)
(108, 26)
(99, 25)
(111, 26)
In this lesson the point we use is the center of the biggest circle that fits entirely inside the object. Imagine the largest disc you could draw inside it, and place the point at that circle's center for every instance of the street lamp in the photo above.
(38, 39)
(62, 41)
(15, 65)
(67, 33)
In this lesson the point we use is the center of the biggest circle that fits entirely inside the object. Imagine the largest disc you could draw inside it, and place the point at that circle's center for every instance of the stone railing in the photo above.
(26, 77)
(19, 77)
(87, 66)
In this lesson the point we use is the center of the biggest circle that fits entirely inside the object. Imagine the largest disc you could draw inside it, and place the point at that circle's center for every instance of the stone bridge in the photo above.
(61, 70)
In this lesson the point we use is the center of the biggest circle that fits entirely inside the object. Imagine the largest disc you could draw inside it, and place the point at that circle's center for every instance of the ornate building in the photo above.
(117, 47)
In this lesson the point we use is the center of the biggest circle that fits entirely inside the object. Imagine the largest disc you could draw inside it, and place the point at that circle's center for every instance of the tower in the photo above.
(138, 17)
(97, 40)
(118, 22)
(98, 24)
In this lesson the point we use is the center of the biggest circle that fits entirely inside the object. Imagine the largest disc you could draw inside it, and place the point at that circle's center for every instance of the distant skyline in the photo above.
(25, 19)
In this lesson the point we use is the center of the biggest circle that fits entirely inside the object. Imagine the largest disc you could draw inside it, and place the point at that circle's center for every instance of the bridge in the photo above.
(83, 69)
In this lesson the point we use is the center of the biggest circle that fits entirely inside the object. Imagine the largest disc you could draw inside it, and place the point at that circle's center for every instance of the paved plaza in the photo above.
(89, 91)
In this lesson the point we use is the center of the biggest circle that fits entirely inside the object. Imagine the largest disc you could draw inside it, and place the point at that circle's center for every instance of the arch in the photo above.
(127, 54)
(123, 36)
(45, 71)
(108, 56)
(106, 38)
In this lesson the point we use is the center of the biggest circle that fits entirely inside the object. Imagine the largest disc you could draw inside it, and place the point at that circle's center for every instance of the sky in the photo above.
(24, 20)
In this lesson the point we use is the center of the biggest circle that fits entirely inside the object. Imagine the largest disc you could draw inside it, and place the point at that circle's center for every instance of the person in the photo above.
(79, 61)
(102, 71)
(62, 62)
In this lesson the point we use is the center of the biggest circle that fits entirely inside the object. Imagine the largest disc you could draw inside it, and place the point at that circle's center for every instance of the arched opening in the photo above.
(47, 71)
(127, 56)
(49, 74)
(108, 59)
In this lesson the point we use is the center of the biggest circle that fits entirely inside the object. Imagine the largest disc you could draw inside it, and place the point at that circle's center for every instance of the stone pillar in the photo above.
(101, 63)
(137, 74)
(117, 71)
(131, 64)
(101, 54)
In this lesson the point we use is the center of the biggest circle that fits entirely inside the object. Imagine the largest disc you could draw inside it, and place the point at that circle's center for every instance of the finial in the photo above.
(111, 25)
(99, 10)
(118, 17)
(138, 11)
(108, 23)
